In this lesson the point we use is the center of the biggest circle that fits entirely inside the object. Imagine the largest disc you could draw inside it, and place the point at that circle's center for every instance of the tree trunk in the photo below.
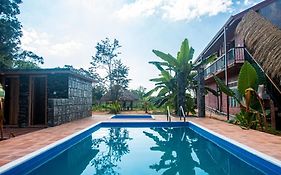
(201, 93)
(181, 98)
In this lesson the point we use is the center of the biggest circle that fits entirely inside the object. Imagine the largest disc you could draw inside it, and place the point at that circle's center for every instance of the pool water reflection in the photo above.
(153, 151)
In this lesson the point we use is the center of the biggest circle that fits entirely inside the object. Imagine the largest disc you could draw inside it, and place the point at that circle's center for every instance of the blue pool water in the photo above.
(131, 116)
(146, 148)
(151, 151)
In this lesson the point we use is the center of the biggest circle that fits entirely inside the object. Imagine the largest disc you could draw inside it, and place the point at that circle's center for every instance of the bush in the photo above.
(100, 107)
(114, 108)
(246, 120)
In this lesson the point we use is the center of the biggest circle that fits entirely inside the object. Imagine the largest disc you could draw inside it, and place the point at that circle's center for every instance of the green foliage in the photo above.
(223, 88)
(97, 93)
(176, 78)
(20, 64)
(120, 74)
(214, 92)
(247, 77)
(100, 107)
(143, 102)
(166, 57)
(10, 35)
(190, 104)
(252, 109)
(115, 107)
(106, 59)
(246, 120)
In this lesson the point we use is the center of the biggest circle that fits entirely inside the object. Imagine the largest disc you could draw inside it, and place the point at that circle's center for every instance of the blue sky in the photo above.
(66, 31)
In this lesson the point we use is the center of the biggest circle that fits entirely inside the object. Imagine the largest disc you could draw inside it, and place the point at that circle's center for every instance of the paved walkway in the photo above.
(17, 147)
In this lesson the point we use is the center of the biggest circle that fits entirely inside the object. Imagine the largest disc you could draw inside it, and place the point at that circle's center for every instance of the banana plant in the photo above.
(247, 83)
(178, 72)
(165, 87)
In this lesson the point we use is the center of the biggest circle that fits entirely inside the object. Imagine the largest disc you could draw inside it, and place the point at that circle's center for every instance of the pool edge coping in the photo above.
(14, 163)
(253, 151)
(152, 116)
(27, 157)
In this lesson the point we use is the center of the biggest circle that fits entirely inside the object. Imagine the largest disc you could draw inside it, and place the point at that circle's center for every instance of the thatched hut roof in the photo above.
(125, 95)
(263, 40)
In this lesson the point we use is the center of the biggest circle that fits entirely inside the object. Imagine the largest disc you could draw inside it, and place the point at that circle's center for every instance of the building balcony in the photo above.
(234, 55)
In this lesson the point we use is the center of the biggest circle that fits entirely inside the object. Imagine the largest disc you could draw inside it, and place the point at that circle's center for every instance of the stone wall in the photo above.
(78, 103)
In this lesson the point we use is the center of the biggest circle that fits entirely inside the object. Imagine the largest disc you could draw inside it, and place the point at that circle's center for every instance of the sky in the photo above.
(65, 32)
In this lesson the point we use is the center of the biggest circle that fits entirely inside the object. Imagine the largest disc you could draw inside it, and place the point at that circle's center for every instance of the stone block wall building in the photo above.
(47, 97)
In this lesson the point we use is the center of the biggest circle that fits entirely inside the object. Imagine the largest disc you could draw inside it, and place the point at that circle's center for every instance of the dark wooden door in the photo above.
(11, 100)
(38, 101)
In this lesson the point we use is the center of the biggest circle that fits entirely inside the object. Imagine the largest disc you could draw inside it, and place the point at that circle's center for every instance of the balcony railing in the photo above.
(235, 55)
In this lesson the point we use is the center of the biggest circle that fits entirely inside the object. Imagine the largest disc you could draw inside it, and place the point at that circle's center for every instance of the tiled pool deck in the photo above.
(17, 147)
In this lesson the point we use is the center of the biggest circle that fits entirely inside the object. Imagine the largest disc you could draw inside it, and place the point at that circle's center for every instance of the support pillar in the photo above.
(226, 70)
(201, 92)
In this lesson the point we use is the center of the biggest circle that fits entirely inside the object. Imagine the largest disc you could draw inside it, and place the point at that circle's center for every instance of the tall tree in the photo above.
(119, 74)
(11, 54)
(106, 58)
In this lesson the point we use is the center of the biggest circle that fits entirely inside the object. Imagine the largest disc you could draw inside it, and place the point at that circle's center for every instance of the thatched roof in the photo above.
(263, 40)
(125, 95)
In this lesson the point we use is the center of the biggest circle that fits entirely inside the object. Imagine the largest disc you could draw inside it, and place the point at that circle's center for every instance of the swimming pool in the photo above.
(132, 116)
(145, 148)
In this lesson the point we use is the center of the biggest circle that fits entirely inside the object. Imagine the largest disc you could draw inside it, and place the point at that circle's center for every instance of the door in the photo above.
(38, 101)
(11, 100)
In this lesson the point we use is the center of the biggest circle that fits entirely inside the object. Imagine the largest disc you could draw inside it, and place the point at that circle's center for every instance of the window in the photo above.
(232, 102)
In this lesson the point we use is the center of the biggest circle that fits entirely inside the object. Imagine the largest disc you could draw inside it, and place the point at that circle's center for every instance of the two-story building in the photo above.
(251, 35)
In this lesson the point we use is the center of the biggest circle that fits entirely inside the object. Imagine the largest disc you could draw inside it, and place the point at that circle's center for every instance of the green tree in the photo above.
(106, 58)
(97, 92)
(140, 92)
(11, 54)
(120, 74)
(181, 66)
(120, 79)
(144, 100)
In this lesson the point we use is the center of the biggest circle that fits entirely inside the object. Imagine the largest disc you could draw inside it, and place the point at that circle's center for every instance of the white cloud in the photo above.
(174, 10)
(139, 8)
(251, 2)
(188, 9)
(44, 44)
